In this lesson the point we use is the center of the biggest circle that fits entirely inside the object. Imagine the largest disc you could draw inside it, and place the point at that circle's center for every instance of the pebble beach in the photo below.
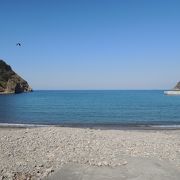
(36, 153)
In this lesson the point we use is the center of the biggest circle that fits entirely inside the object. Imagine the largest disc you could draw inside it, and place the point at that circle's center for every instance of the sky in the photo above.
(92, 44)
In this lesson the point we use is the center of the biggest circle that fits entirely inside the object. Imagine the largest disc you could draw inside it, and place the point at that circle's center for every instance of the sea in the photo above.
(91, 108)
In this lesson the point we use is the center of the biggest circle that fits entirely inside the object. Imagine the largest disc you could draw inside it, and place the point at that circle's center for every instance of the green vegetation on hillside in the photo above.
(10, 82)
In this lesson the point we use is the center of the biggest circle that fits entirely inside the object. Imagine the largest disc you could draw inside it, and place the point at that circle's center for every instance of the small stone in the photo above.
(48, 171)
(99, 164)
(124, 163)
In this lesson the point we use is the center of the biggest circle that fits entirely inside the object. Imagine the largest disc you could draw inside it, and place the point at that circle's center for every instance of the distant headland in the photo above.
(10, 82)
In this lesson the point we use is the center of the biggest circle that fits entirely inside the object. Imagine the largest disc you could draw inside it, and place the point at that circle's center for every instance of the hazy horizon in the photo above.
(92, 45)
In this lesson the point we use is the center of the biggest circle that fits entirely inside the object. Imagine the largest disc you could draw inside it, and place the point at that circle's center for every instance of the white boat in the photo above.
(172, 92)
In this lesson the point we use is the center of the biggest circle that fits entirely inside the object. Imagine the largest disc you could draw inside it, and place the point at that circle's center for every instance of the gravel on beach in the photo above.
(35, 153)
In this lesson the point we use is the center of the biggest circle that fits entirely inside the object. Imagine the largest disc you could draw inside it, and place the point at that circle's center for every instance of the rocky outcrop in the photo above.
(177, 87)
(10, 82)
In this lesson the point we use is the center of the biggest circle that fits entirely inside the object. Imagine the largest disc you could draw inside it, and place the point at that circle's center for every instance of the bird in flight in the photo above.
(18, 44)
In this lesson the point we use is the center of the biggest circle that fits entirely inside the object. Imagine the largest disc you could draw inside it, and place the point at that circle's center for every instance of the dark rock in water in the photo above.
(10, 82)
(177, 87)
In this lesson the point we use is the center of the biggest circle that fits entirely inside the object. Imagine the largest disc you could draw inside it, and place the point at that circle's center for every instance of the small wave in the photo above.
(96, 126)
(11, 125)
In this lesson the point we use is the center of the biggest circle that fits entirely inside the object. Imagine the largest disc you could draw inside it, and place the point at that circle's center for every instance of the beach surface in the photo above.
(83, 153)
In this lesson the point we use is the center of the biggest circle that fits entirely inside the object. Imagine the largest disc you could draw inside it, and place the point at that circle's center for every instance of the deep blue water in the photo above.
(99, 107)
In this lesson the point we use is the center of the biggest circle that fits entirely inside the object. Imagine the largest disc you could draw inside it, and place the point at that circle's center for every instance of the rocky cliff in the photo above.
(10, 82)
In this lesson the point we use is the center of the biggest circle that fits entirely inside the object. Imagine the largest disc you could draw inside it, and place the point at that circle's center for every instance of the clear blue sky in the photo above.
(92, 44)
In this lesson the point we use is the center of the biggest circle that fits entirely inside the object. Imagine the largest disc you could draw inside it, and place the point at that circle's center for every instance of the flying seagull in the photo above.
(18, 44)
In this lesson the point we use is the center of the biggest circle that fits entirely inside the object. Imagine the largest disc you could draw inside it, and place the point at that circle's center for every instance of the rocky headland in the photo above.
(177, 87)
(10, 82)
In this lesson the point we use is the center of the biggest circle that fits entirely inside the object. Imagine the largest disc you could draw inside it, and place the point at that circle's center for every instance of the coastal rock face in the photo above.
(177, 87)
(10, 82)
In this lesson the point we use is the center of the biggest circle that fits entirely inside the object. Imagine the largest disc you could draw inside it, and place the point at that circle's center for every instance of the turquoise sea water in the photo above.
(91, 107)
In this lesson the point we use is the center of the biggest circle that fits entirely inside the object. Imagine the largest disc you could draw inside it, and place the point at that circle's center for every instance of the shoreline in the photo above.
(94, 126)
